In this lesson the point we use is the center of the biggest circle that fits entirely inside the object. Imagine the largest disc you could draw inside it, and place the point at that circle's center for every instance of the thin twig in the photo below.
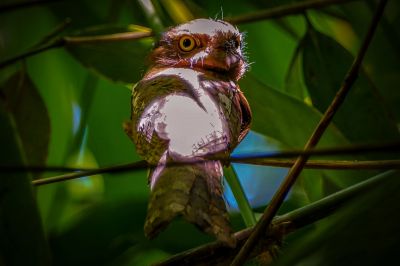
(284, 224)
(110, 169)
(55, 32)
(340, 150)
(55, 44)
(294, 172)
(285, 10)
(40, 169)
(24, 4)
(325, 164)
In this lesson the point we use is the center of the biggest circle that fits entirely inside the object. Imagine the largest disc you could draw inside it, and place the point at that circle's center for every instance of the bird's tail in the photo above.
(193, 191)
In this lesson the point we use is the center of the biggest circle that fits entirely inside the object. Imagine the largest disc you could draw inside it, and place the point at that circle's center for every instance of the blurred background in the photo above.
(64, 105)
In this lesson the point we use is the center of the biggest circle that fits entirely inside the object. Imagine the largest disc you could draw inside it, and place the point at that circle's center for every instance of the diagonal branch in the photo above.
(285, 10)
(295, 171)
(285, 224)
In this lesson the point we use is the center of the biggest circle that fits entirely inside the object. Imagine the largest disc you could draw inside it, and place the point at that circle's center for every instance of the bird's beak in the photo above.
(218, 60)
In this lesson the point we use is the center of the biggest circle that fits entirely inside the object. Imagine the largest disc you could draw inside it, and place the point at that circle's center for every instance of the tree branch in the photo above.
(211, 253)
(24, 4)
(110, 169)
(285, 10)
(295, 171)
(333, 165)
(276, 12)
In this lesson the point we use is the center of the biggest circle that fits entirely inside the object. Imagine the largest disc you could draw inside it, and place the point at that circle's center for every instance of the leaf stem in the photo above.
(295, 171)
(240, 196)
(123, 36)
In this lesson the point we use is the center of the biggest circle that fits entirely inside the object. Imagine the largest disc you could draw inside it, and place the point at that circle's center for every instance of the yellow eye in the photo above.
(187, 43)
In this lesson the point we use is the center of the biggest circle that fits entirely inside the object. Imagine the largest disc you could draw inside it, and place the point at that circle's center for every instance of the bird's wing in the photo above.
(246, 115)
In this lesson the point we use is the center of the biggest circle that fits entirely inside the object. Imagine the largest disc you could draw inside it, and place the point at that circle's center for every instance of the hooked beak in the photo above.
(220, 61)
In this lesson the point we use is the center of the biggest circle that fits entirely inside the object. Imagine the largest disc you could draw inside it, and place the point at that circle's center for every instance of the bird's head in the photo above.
(207, 45)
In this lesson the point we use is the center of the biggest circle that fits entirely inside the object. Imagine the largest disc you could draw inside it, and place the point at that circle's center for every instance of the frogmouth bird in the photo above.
(187, 107)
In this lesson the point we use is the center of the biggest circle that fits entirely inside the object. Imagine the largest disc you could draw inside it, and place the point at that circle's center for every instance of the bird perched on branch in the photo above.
(189, 106)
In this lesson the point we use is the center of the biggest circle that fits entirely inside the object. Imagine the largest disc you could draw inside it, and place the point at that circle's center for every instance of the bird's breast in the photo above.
(195, 113)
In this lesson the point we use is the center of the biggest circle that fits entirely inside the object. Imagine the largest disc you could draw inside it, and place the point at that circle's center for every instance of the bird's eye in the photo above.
(187, 43)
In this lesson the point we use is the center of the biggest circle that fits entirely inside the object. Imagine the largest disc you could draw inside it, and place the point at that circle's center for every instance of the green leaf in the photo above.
(283, 117)
(382, 60)
(120, 60)
(22, 240)
(294, 81)
(291, 122)
(325, 65)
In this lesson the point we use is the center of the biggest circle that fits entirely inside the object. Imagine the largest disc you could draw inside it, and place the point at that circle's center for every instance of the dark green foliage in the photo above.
(22, 240)
(66, 107)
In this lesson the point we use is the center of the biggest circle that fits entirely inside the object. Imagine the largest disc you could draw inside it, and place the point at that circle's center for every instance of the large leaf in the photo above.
(382, 60)
(325, 64)
(294, 81)
(30, 116)
(120, 60)
(283, 117)
(22, 240)
(291, 122)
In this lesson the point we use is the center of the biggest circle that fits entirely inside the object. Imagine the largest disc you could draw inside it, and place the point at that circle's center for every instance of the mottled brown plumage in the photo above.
(187, 106)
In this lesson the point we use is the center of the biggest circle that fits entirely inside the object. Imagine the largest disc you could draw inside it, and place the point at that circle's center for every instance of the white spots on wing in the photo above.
(147, 120)
(160, 166)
